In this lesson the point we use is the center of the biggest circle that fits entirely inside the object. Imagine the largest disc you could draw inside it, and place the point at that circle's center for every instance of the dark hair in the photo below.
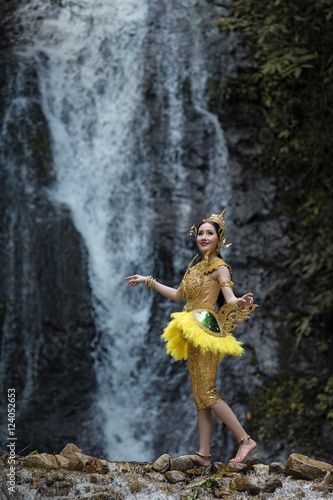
(214, 224)
(220, 300)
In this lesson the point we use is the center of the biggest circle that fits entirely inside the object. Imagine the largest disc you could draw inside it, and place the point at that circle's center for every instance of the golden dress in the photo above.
(201, 334)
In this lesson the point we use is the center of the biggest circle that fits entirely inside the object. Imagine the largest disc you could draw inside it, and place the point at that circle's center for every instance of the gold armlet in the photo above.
(228, 283)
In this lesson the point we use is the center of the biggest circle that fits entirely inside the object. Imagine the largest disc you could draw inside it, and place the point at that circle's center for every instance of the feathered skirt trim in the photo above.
(182, 329)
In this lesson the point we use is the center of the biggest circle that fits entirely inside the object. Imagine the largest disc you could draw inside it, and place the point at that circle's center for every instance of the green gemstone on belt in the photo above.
(208, 320)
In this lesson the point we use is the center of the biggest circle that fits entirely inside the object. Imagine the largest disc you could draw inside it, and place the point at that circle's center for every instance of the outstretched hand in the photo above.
(135, 280)
(246, 300)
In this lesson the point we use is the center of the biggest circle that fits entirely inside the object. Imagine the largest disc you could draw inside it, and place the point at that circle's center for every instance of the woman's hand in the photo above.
(246, 300)
(136, 279)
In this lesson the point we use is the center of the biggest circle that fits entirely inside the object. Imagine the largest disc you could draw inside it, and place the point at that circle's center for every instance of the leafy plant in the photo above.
(286, 94)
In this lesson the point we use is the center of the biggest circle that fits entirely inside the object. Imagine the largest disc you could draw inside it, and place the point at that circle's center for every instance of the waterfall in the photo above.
(137, 158)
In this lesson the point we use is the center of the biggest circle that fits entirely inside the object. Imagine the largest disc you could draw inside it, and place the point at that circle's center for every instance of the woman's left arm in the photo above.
(223, 276)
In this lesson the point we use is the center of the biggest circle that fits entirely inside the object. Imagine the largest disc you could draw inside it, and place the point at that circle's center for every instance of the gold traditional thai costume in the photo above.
(201, 334)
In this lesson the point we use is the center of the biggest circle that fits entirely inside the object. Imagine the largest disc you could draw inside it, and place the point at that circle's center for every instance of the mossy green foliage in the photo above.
(285, 94)
(294, 409)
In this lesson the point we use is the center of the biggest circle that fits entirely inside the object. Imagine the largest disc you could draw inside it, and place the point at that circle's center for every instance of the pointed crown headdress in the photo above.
(218, 219)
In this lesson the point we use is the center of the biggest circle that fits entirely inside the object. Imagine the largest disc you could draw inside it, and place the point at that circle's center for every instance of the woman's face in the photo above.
(207, 238)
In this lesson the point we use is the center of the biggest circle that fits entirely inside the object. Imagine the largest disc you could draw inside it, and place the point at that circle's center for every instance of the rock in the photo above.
(303, 467)
(321, 487)
(329, 478)
(41, 461)
(104, 467)
(239, 467)
(181, 463)
(70, 448)
(276, 467)
(236, 467)
(93, 465)
(162, 463)
(74, 455)
(156, 476)
(175, 476)
(4, 459)
(261, 469)
(272, 484)
(219, 467)
(63, 462)
(248, 483)
(250, 462)
(223, 493)
(196, 471)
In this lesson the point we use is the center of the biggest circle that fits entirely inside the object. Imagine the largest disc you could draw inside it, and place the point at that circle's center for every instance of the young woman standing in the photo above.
(203, 335)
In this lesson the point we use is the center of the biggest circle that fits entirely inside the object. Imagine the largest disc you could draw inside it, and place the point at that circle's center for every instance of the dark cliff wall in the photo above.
(47, 317)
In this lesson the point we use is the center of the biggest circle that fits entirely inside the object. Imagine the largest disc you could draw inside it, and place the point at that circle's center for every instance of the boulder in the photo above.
(103, 467)
(162, 463)
(321, 487)
(249, 483)
(219, 467)
(261, 469)
(276, 467)
(236, 467)
(90, 464)
(329, 479)
(63, 462)
(74, 455)
(272, 484)
(181, 463)
(250, 462)
(303, 467)
(175, 476)
(156, 476)
(70, 448)
(41, 461)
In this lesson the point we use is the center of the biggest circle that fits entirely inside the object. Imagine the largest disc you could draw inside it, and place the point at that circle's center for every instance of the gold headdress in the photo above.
(218, 219)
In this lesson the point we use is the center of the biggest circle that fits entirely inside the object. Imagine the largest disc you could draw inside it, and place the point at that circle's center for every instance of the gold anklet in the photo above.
(201, 455)
(242, 439)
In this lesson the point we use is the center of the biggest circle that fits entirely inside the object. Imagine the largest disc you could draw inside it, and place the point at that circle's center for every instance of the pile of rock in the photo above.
(222, 478)
(70, 458)
(72, 474)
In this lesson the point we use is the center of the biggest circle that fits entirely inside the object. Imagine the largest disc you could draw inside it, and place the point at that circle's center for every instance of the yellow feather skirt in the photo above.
(183, 329)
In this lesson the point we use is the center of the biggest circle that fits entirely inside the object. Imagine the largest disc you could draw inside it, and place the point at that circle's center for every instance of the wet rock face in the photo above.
(46, 318)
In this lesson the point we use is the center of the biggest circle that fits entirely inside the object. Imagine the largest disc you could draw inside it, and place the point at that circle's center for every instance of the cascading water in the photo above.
(136, 156)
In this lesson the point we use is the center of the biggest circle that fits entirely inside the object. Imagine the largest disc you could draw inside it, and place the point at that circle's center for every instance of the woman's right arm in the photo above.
(166, 291)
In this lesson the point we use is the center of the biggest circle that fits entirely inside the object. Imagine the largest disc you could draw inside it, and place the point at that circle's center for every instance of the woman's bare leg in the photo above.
(205, 424)
(225, 413)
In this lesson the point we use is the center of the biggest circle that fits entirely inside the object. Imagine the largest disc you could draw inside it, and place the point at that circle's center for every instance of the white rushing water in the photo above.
(90, 63)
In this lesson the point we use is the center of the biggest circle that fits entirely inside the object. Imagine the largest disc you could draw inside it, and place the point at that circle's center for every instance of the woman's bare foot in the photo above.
(199, 460)
(246, 445)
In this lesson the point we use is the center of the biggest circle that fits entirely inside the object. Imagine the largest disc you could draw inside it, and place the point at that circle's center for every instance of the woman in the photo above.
(202, 336)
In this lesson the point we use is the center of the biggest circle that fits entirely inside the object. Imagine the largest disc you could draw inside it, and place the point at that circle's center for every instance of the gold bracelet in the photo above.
(150, 282)
(238, 306)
